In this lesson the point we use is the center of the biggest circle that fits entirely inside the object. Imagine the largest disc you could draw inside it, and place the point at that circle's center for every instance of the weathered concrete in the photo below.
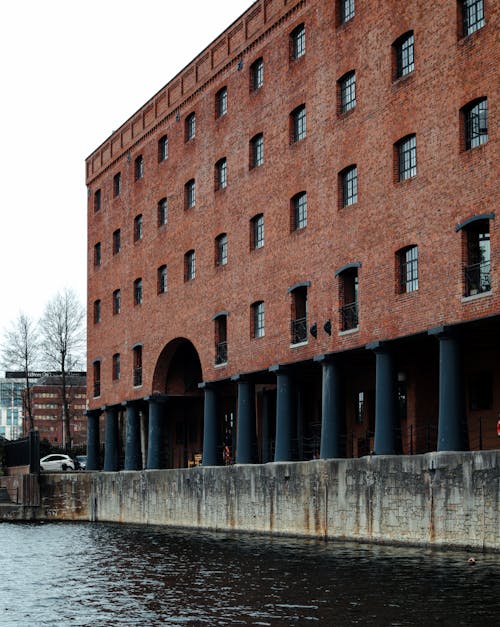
(443, 499)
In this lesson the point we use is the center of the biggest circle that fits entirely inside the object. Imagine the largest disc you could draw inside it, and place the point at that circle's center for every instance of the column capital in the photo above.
(93, 412)
(110, 408)
(279, 369)
(240, 378)
(325, 358)
(207, 385)
(378, 345)
(156, 398)
(441, 332)
(130, 403)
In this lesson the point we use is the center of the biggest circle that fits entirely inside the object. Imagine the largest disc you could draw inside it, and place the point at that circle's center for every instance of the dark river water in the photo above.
(102, 575)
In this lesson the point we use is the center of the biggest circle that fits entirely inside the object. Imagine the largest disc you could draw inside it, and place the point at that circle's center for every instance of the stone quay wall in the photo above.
(440, 499)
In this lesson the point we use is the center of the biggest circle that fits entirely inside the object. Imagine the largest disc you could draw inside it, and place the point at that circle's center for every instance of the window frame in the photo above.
(299, 211)
(117, 242)
(220, 339)
(162, 279)
(96, 378)
(348, 179)
(138, 227)
(163, 148)
(117, 302)
(221, 103)
(190, 194)
(221, 174)
(97, 200)
(298, 42)
(347, 10)
(299, 314)
(138, 293)
(475, 139)
(97, 254)
(257, 151)
(404, 55)
(117, 184)
(407, 259)
(116, 367)
(97, 311)
(347, 92)
(137, 365)
(348, 298)
(257, 234)
(258, 319)
(162, 211)
(189, 265)
(190, 127)
(139, 168)
(467, 27)
(298, 124)
(406, 152)
(221, 249)
(257, 74)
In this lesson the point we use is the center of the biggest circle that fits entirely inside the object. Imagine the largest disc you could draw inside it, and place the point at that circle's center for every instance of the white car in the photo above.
(56, 461)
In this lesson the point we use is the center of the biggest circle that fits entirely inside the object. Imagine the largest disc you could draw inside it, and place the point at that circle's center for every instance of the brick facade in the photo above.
(319, 261)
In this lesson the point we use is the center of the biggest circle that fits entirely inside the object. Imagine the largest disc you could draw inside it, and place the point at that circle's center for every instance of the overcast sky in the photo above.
(71, 73)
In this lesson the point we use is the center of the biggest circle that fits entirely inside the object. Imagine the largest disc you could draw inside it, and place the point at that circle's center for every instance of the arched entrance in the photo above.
(176, 378)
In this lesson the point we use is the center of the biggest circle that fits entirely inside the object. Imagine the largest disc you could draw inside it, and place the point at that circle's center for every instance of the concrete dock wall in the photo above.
(442, 499)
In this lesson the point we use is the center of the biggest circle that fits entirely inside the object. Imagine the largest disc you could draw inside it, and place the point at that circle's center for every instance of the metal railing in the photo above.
(349, 316)
(298, 329)
(220, 353)
(138, 375)
(477, 278)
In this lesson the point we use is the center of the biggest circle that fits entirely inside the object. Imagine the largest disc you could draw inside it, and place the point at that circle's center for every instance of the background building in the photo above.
(293, 246)
(11, 407)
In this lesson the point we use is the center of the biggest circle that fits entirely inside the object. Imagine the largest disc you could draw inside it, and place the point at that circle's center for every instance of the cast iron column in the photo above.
(133, 459)
(332, 411)
(155, 435)
(246, 434)
(210, 431)
(385, 400)
(93, 439)
(111, 444)
(285, 415)
(266, 416)
(451, 404)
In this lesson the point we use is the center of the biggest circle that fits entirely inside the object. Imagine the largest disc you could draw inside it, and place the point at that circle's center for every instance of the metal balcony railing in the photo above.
(349, 316)
(298, 329)
(220, 353)
(477, 278)
(138, 375)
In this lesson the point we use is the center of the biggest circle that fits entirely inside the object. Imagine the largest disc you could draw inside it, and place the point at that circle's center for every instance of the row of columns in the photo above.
(332, 424)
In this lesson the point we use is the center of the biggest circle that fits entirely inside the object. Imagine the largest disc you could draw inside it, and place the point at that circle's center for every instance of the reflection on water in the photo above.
(105, 575)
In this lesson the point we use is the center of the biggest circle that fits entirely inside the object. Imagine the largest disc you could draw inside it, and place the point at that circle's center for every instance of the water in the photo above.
(61, 574)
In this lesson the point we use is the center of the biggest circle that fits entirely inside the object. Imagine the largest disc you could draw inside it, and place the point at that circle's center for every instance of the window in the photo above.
(97, 200)
(477, 263)
(475, 118)
(189, 265)
(360, 407)
(298, 42)
(298, 123)
(347, 92)
(258, 319)
(220, 339)
(257, 151)
(403, 52)
(190, 127)
(346, 10)
(190, 194)
(97, 254)
(349, 186)
(97, 311)
(163, 148)
(117, 184)
(408, 269)
(299, 211)
(221, 250)
(348, 297)
(472, 16)
(257, 74)
(298, 321)
(117, 244)
(139, 168)
(221, 174)
(406, 150)
(162, 279)
(138, 228)
(96, 367)
(221, 102)
(138, 292)
(162, 212)
(117, 302)
(137, 365)
(257, 231)
(116, 367)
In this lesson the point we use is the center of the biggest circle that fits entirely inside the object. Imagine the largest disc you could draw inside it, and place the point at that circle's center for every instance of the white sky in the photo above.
(71, 73)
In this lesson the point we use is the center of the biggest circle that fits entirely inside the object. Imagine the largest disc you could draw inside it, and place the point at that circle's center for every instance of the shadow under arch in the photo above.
(176, 376)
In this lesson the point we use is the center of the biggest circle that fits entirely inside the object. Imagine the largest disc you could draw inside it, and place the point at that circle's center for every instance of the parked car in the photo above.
(56, 461)
(81, 462)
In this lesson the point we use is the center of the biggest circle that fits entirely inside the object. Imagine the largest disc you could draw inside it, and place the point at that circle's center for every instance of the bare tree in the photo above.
(20, 350)
(62, 329)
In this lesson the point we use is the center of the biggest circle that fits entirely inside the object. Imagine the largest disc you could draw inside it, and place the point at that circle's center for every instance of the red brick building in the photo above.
(293, 246)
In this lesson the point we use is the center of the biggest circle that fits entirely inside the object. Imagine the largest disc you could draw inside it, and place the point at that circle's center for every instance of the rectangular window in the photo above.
(190, 194)
(220, 340)
(477, 267)
(139, 168)
(189, 265)
(162, 279)
(137, 365)
(221, 102)
(190, 127)
(221, 249)
(258, 319)
(349, 184)
(257, 231)
(117, 302)
(116, 366)
(360, 408)
(138, 228)
(97, 311)
(96, 366)
(299, 207)
(138, 292)
(221, 174)
(97, 200)
(117, 184)
(407, 157)
(472, 16)
(97, 254)
(348, 287)
(162, 212)
(117, 244)
(347, 86)
(298, 322)
(346, 10)
(298, 119)
(257, 151)
(404, 55)
(257, 74)
(298, 42)
(476, 123)
(408, 269)
(163, 148)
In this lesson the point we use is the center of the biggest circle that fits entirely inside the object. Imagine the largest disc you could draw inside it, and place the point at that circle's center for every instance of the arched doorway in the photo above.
(176, 377)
